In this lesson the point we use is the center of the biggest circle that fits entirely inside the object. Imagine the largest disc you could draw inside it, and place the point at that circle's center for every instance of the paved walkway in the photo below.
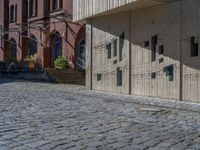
(48, 116)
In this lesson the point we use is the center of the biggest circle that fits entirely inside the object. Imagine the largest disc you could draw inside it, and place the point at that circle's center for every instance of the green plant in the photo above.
(61, 63)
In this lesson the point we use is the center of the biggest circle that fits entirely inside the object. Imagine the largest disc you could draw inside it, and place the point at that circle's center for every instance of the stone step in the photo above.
(67, 76)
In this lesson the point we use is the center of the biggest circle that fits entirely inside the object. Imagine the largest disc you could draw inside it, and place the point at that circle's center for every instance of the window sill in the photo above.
(194, 56)
(52, 11)
(32, 16)
(12, 21)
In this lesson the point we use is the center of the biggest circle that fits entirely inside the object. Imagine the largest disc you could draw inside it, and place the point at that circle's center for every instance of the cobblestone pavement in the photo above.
(43, 116)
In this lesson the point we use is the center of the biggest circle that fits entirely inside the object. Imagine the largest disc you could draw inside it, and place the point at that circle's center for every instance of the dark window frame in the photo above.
(109, 50)
(153, 75)
(60, 4)
(54, 5)
(121, 45)
(154, 41)
(146, 44)
(48, 6)
(169, 72)
(161, 49)
(115, 49)
(99, 77)
(119, 77)
(194, 50)
(33, 8)
(12, 14)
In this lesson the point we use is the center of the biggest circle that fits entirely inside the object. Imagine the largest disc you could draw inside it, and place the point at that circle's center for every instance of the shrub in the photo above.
(61, 63)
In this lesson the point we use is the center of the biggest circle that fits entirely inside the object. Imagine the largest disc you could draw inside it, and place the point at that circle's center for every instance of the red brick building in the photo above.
(41, 27)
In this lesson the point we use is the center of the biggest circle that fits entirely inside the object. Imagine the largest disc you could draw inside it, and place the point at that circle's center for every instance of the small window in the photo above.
(161, 50)
(146, 44)
(194, 47)
(115, 62)
(98, 77)
(115, 48)
(153, 75)
(170, 72)
(153, 47)
(121, 45)
(161, 60)
(119, 77)
(108, 48)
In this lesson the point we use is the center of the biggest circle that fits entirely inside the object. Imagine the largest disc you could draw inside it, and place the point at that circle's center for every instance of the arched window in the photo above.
(13, 50)
(36, 7)
(47, 6)
(31, 8)
(57, 45)
(32, 45)
(12, 13)
(54, 4)
(26, 9)
(60, 3)
(15, 12)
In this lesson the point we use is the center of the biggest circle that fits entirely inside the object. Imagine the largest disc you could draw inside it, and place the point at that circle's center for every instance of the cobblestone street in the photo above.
(42, 116)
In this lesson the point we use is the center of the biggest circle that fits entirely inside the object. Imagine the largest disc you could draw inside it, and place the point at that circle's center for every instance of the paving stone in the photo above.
(44, 116)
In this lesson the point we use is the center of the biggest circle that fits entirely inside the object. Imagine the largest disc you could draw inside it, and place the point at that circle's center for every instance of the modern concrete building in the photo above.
(142, 47)
(42, 27)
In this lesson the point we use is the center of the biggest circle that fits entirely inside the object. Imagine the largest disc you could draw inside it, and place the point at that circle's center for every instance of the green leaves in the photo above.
(61, 63)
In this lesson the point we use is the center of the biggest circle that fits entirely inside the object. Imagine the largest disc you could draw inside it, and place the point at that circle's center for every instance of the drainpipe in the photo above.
(91, 51)
(181, 61)
(130, 58)
(91, 54)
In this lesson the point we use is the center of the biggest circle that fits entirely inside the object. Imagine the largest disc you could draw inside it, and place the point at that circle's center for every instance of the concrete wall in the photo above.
(87, 8)
(90, 8)
(164, 22)
(103, 33)
(191, 65)
(173, 26)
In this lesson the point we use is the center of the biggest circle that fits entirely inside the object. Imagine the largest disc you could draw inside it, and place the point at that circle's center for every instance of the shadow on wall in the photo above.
(153, 31)
(160, 37)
